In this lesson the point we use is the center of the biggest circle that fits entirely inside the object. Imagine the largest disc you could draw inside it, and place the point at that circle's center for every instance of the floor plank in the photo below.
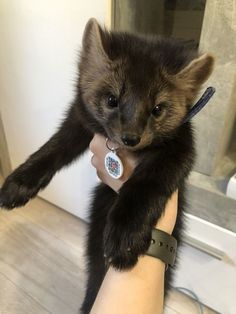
(169, 310)
(183, 304)
(59, 223)
(43, 265)
(17, 301)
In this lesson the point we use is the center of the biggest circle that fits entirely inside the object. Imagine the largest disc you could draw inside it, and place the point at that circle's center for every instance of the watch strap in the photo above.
(163, 246)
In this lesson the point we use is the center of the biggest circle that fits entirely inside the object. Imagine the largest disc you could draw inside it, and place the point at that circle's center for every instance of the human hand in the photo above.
(99, 149)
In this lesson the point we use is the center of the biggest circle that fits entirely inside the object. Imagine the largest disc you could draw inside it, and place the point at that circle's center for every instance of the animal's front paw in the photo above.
(13, 194)
(22, 185)
(124, 242)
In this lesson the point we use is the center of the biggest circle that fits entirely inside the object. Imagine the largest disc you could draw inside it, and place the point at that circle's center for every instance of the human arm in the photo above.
(141, 289)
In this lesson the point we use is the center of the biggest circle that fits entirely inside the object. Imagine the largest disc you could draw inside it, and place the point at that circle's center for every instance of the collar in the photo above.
(209, 92)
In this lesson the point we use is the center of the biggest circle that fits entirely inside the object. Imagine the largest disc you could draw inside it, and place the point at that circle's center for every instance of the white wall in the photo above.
(39, 44)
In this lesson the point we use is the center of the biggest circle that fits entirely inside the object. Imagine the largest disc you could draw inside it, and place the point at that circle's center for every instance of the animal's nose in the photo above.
(130, 139)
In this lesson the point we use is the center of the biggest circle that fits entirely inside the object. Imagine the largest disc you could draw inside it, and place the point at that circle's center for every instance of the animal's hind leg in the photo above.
(104, 197)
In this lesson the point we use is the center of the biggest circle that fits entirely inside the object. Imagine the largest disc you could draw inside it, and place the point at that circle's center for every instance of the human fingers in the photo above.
(99, 149)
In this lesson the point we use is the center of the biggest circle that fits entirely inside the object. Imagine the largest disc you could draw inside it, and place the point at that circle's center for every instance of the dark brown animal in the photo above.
(135, 91)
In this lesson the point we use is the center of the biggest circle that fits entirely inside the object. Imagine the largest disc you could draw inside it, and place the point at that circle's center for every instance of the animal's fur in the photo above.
(141, 73)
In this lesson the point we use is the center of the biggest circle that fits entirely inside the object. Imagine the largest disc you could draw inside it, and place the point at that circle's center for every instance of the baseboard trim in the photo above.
(215, 237)
(5, 163)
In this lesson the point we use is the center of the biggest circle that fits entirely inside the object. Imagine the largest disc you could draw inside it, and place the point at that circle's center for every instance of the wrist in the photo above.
(167, 220)
(166, 228)
(163, 246)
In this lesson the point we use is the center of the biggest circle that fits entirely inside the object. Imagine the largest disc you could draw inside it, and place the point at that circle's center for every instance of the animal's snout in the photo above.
(130, 139)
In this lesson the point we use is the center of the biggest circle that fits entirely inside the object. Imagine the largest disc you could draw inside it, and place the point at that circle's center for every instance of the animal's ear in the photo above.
(94, 39)
(196, 72)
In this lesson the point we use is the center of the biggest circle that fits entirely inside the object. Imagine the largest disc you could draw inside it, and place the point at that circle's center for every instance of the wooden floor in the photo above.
(42, 268)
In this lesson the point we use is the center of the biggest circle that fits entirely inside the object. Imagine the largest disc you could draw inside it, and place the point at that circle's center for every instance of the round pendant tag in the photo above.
(113, 165)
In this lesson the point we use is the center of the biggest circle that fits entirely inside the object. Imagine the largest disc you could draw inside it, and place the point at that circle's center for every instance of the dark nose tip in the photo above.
(130, 140)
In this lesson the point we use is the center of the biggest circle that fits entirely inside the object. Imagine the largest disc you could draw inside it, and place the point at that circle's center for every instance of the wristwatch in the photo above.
(163, 246)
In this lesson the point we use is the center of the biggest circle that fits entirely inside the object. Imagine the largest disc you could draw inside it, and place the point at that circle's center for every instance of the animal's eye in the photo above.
(112, 101)
(157, 110)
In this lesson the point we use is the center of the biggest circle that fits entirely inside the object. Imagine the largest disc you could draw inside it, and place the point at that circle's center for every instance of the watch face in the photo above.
(113, 165)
